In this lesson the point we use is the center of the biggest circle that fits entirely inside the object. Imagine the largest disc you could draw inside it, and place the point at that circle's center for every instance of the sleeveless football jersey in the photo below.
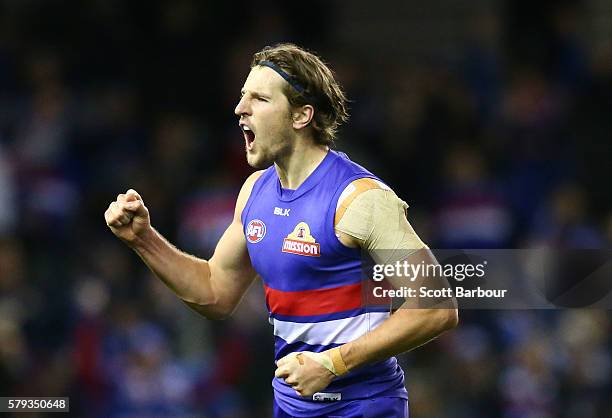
(313, 283)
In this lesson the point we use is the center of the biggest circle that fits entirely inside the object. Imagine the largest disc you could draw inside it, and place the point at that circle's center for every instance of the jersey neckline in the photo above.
(312, 180)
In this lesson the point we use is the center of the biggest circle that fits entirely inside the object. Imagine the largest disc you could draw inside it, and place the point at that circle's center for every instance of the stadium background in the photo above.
(491, 118)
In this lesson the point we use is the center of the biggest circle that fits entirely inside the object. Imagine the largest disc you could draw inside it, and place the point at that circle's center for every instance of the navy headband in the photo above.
(292, 81)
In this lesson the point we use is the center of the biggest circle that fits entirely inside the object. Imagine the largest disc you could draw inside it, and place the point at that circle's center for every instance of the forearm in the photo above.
(187, 276)
(405, 330)
(213, 288)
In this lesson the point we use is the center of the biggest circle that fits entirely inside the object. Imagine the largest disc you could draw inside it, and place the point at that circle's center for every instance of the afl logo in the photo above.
(255, 231)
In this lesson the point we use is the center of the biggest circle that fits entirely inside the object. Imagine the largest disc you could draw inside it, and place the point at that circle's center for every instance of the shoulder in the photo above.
(352, 178)
(363, 184)
(250, 181)
(364, 189)
(245, 192)
(344, 162)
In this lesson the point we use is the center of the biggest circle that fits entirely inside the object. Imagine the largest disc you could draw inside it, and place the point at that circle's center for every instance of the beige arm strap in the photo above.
(376, 217)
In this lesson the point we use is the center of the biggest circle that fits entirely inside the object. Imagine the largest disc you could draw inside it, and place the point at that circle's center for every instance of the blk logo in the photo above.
(281, 211)
(255, 231)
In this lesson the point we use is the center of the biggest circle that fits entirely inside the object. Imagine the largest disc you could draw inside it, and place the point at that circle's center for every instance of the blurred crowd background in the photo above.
(492, 119)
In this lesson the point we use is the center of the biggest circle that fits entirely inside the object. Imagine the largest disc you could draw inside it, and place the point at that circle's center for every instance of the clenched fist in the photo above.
(305, 372)
(128, 217)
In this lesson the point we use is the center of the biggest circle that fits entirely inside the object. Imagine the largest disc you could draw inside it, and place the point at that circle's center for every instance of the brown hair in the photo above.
(322, 91)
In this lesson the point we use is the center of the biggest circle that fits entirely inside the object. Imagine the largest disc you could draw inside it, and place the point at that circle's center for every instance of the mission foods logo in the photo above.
(301, 242)
(255, 231)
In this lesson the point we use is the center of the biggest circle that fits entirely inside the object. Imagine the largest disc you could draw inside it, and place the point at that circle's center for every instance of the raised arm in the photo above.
(212, 288)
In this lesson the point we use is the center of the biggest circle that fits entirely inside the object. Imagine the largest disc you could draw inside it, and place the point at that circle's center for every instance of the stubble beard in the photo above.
(258, 160)
(264, 156)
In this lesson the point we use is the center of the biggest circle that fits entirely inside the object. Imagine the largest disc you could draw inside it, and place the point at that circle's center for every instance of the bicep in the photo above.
(390, 228)
(231, 272)
(377, 219)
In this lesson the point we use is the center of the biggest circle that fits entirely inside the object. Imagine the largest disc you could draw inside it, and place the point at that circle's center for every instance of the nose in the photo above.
(242, 108)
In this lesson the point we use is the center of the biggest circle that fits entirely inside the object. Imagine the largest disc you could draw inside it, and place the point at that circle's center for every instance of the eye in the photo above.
(262, 99)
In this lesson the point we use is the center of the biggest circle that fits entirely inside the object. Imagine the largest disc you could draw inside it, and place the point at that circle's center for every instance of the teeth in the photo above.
(246, 128)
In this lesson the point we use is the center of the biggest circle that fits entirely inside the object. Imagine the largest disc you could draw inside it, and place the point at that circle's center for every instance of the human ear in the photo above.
(302, 116)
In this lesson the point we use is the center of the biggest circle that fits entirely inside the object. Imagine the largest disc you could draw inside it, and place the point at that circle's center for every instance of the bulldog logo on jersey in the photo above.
(255, 231)
(301, 242)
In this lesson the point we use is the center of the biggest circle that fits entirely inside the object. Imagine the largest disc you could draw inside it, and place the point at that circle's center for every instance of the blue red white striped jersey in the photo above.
(312, 282)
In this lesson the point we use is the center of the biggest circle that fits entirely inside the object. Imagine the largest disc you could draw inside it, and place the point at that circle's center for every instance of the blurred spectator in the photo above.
(563, 222)
(471, 212)
(205, 217)
(42, 135)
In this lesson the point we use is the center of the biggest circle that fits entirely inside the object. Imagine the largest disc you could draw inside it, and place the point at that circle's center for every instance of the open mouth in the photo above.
(249, 136)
